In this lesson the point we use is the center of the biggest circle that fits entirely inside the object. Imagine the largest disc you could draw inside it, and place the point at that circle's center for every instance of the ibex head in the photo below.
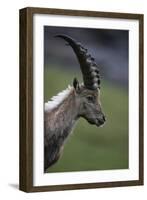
(88, 93)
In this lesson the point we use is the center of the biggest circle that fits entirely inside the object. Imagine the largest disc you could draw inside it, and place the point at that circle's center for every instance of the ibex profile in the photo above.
(79, 100)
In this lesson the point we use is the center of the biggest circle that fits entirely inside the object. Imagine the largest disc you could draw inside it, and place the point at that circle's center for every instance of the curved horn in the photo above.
(88, 65)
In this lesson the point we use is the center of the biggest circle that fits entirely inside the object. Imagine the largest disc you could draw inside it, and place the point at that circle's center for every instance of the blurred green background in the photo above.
(90, 147)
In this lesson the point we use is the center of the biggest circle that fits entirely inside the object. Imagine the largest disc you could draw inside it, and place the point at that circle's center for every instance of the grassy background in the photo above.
(90, 147)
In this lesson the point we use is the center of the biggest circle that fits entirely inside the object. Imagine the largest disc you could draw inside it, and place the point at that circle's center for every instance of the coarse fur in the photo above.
(59, 121)
(56, 100)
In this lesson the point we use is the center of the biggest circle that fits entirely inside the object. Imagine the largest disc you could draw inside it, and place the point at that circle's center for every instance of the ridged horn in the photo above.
(89, 68)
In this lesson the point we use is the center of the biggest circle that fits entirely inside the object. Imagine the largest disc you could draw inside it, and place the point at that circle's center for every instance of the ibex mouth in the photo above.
(100, 123)
(97, 122)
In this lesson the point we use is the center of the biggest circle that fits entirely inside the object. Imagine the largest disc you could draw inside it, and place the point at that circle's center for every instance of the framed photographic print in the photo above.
(81, 99)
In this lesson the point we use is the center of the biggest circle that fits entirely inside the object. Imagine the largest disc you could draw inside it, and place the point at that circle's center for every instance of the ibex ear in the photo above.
(76, 85)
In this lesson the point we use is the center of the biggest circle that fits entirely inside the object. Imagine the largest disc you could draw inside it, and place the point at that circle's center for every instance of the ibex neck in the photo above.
(62, 110)
(67, 110)
(58, 100)
(60, 117)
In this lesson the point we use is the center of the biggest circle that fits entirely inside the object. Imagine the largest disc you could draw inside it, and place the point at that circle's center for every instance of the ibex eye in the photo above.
(90, 98)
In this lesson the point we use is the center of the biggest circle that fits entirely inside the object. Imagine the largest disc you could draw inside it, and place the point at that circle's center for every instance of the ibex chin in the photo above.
(79, 100)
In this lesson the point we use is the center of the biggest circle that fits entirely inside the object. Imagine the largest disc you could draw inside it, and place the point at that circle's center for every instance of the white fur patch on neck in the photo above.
(56, 100)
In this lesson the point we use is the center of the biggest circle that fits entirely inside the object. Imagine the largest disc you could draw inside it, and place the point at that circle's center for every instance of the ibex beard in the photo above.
(79, 100)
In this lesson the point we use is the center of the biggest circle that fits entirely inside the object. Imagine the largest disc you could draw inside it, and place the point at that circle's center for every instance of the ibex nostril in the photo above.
(101, 121)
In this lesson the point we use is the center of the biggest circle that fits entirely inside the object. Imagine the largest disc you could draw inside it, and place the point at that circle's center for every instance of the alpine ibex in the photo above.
(79, 100)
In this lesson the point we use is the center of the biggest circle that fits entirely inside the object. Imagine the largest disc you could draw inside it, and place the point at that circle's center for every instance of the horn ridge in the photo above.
(89, 68)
